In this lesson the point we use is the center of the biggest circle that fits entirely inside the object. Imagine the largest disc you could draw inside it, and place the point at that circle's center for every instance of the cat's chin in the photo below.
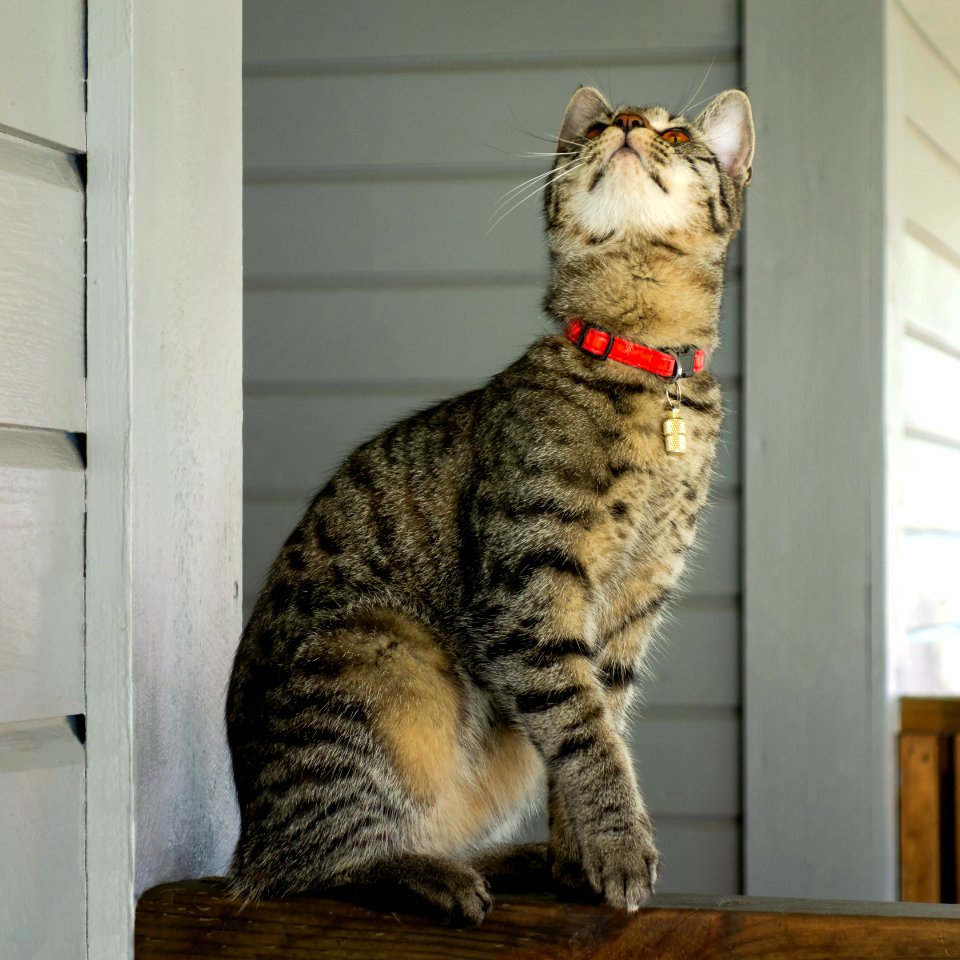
(642, 209)
(630, 197)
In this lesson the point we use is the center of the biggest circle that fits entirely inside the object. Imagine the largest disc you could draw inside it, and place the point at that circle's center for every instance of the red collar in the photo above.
(600, 343)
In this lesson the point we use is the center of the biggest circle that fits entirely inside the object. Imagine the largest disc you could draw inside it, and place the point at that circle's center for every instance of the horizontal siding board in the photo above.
(332, 231)
(372, 336)
(41, 575)
(337, 229)
(463, 117)
(933, 177)
(279, 30)
(43, 909)
(929, 475)
(688, 762)
(42, 288)
(929, 383)
(294, 441)
(930, 571)
(409, 335)
(931, 90)
(929, 298)
(696, 660)
(41, 71)
(698, 856)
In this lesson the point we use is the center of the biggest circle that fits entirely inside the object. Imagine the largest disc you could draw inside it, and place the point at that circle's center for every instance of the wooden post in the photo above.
(920, 817)
(929, 799)
(956, 817)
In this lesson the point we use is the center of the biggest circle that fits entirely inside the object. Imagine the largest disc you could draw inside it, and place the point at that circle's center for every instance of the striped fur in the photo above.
(461, 615)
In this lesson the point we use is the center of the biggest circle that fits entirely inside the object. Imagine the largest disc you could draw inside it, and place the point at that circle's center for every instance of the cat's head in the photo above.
(641, 172)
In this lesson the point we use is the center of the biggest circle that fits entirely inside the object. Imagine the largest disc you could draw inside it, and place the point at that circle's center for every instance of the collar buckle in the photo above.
(689, 360)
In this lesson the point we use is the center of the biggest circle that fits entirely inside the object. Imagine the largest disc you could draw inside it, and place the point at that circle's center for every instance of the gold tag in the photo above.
(675, 433)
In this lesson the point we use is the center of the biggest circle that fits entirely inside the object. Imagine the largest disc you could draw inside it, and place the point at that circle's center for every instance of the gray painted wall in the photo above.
(818, 773)
(378, 139)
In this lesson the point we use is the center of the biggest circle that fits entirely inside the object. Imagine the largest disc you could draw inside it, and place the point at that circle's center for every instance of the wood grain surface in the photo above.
(920, 816)
(195, 919)
(930, 715)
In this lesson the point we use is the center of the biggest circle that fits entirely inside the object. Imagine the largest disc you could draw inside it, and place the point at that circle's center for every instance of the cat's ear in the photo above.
(585, 106)
(727, 126)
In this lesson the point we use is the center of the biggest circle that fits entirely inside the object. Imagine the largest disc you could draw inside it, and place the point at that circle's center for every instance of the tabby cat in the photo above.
(461, 614)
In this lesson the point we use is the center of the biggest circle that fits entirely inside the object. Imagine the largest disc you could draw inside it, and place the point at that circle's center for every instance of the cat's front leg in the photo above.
(564, 857)
(547, 685)
(601, 835)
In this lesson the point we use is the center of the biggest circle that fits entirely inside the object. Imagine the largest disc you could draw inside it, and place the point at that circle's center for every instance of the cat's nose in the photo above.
(628, 121)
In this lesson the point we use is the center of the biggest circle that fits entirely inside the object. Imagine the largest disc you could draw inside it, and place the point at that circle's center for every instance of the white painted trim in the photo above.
(109, 600)
(818, 760)
(164, 446)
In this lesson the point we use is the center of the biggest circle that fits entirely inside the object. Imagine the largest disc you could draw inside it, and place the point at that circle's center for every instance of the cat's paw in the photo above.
(453, 892)
(623, 866)
(446, 889)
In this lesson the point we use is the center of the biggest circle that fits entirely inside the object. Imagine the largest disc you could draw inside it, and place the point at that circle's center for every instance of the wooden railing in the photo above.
(195, 919)
(929, 799)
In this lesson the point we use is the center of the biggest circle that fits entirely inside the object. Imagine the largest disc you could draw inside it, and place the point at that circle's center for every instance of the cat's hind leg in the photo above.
(355, 772)
(517, 868)
(377, 767)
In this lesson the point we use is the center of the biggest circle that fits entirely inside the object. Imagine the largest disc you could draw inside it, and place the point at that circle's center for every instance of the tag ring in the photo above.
(674, 403)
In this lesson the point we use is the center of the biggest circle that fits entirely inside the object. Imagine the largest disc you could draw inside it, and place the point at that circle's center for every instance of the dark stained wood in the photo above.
(195, 919)
(920, 828)
(930, 798)
(956, 817)
(930, 715)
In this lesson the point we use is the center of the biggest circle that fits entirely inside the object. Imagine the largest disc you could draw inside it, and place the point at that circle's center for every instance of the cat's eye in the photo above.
(595, 131)
(674, 135)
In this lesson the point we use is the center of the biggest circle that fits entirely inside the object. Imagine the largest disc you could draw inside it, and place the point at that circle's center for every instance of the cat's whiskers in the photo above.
(549, 153)
(563, 171)
(552, 138)
(546, 137)
(690, 103)
(548, 176)
(522, 200)
(510, 194)
(539, 176)
(693, 106)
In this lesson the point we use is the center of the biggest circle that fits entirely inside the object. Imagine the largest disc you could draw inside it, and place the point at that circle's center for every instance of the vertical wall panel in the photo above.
(818, 755)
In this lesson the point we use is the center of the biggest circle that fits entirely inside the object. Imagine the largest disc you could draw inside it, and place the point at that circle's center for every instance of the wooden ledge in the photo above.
(195, 919)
